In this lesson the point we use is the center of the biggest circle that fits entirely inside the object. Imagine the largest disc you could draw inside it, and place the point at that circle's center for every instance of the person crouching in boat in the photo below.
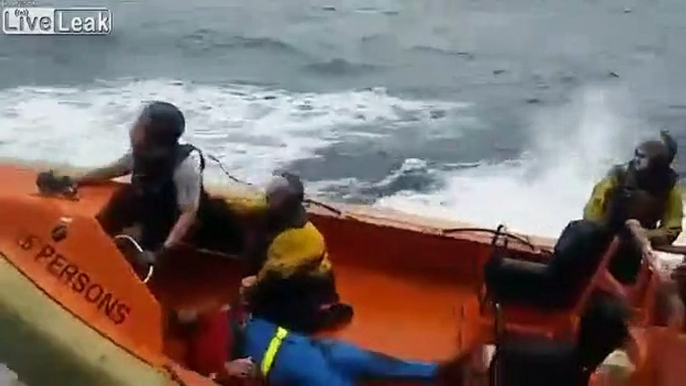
(166, 190)
(294, 286)
(644, 190)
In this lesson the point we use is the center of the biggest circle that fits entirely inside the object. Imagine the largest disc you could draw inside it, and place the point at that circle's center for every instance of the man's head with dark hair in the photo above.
(160, 125)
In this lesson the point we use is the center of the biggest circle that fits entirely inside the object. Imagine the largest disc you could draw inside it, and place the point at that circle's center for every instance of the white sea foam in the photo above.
(572, 146)
(253, 130)
(256, 130)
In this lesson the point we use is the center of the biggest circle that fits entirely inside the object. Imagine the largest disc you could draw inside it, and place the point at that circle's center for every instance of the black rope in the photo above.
(496, 232)
(238, 180)
(226, 171)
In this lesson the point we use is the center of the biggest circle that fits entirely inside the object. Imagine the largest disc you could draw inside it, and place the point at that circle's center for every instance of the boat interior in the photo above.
(417, 291)
(415, 295)
(417, 283)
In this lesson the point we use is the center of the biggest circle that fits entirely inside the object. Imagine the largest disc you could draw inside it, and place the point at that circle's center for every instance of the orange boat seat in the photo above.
(522, 306)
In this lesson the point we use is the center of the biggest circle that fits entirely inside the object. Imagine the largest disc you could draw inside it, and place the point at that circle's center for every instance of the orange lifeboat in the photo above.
(416, 286)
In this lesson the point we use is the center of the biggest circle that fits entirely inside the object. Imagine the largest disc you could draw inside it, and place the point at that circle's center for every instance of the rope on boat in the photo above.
(495, 232)
(226, 171)
(138, 248)
(310, 201)
(325, 206)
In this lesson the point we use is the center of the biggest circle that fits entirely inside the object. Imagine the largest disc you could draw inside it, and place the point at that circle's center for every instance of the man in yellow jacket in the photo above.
(294, 286)
(645, 189)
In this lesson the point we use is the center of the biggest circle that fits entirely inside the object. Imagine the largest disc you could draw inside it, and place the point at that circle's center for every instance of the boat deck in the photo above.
(413, 319)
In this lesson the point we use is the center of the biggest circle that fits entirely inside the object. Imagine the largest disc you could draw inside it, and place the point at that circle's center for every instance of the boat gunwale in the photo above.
(384, 217)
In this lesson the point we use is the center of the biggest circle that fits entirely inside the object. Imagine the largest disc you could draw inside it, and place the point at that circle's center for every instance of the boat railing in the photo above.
(499, 232)
(50, 185)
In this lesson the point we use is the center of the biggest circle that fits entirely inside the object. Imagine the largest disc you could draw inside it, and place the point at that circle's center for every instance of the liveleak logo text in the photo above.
(56, 21)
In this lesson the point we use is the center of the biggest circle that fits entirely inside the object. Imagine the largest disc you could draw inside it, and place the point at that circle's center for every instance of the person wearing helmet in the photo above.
(645, 191)
(293, 283)
(166, 189)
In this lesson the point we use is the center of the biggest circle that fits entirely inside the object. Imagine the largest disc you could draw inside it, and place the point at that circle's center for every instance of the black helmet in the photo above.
(166, 123)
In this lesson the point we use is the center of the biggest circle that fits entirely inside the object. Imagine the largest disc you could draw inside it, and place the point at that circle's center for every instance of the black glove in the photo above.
(48, 183)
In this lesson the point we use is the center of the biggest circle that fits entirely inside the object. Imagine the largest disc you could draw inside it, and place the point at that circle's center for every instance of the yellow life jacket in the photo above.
(296, 250)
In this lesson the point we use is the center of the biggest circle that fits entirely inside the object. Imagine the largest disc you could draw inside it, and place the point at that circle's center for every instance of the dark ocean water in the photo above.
(508, 58)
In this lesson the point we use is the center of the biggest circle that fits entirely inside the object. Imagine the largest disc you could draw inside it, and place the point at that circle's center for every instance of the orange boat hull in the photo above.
(413, 287)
